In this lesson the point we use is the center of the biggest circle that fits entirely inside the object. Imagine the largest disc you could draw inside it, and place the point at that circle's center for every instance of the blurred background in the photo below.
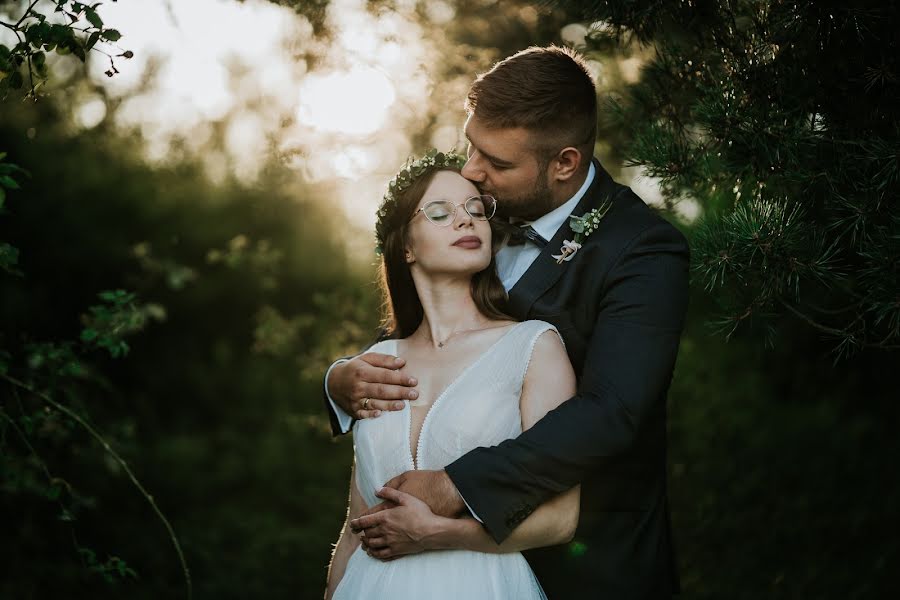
(187, 195)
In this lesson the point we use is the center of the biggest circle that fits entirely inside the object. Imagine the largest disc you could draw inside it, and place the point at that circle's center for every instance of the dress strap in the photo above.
(522, 343)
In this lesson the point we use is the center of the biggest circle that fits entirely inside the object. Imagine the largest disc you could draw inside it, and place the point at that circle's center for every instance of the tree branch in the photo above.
(836, 332)
(27, 11)
(115, 455)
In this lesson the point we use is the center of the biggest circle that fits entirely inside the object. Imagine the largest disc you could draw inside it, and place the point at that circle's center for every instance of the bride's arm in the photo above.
(549, 381)
(347, 542)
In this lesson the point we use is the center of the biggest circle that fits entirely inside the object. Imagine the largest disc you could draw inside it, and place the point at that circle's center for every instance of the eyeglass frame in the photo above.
(455, 208)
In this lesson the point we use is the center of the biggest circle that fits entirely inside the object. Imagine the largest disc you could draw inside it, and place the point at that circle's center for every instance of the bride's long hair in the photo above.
(401, 307)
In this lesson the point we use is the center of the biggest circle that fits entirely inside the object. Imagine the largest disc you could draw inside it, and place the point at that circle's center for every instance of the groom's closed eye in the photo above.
(495, 162)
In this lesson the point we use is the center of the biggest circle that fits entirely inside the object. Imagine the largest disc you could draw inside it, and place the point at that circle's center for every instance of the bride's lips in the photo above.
(470, 241)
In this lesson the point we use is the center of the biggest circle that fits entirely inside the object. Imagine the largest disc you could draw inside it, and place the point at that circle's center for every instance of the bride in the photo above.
(483, 378)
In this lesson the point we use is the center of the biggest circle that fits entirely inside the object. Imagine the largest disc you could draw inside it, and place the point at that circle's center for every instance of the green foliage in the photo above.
(72, 28)
(232, 300)
(53, 359)
(112, 570)
(777, 468)
(229, 325)
(8, 174)
(241, 252)
(764, 248)
(9, 258)
(782, 119)
(55, 366)
(107, 324)
(177, 276)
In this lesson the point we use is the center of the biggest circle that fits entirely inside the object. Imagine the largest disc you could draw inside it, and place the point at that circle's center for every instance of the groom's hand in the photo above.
(434, 488)
(408, 527)
(369, 384)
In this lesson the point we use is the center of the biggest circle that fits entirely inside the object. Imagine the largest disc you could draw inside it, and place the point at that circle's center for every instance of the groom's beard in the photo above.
(531, 207)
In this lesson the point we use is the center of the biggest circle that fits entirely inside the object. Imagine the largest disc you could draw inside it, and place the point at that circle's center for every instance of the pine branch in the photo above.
(782, 119)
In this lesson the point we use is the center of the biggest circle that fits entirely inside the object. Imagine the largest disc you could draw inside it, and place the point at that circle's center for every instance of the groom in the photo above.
(619, 303)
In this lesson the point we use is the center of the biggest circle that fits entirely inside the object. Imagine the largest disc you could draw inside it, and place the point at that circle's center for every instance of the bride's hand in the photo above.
(407, 528)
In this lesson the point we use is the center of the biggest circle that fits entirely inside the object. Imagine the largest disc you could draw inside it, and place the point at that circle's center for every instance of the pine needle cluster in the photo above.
(782, 120)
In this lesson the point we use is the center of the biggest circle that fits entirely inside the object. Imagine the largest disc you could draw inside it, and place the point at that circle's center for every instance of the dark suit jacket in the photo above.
(619, 305)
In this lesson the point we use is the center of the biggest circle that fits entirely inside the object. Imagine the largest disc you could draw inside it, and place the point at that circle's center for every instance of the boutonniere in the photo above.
(582, 227)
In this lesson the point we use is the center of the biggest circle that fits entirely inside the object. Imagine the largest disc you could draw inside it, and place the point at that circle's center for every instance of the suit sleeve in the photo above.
(628, 367)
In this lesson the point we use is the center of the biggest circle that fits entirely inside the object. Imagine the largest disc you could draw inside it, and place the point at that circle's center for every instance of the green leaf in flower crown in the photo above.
(439, 157)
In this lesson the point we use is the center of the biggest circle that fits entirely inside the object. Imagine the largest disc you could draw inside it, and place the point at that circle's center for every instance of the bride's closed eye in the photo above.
(438, 214)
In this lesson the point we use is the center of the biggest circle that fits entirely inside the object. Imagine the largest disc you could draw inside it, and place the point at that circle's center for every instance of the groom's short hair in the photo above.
(546, 90)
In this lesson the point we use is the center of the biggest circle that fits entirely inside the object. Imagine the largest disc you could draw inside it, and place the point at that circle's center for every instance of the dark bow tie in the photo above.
(525, 234)
(516, 235)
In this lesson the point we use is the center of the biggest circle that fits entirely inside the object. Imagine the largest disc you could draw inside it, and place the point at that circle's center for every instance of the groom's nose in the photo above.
(472, 169)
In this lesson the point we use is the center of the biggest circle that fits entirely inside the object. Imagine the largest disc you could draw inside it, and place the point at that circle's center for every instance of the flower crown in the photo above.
(401, 182)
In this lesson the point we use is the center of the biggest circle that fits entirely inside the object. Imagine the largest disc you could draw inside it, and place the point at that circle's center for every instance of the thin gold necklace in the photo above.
(455, 333)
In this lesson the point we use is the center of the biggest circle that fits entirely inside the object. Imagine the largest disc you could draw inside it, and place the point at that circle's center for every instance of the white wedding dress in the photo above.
(479, 408)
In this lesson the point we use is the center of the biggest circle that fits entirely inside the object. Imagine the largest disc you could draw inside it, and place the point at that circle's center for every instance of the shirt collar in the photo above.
(549, 224)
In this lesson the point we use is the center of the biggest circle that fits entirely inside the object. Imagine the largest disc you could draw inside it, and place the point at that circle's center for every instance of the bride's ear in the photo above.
(410, 259)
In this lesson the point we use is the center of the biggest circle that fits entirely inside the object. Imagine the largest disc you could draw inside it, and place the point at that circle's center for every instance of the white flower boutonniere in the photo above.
(582, 227)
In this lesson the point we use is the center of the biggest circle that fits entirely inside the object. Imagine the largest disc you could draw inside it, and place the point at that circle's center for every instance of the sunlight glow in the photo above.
(205, 81)
(353, 160)
(237, 84)
(354, 102)
(91, 112)
(649, 190)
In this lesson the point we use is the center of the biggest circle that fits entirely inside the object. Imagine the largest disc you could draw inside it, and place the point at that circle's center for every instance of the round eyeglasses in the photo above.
(443, 212)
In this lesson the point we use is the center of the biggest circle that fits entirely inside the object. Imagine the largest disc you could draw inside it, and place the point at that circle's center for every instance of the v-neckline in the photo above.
(414, 458)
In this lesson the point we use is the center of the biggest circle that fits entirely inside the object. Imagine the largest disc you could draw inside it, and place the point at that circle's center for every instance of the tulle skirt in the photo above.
(439, 575)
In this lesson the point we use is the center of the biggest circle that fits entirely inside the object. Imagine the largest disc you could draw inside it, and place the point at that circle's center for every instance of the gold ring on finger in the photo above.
(365, 404)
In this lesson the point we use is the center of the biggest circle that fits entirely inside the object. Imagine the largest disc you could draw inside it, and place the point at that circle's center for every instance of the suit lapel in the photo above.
(544, 272)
